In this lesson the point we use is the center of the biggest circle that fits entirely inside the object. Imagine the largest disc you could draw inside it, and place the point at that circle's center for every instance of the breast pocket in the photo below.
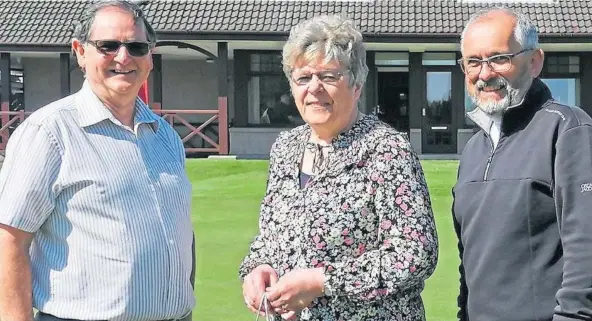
(175, 188)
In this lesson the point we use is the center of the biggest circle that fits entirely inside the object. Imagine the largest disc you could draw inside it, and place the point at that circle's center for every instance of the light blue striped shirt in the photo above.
(110, 209)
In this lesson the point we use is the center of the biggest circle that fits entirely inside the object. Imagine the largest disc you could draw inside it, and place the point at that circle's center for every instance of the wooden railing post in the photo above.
(222, 66)
(223, 125)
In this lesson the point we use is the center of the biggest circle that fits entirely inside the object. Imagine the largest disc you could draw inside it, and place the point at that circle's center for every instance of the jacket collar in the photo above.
(516, 115)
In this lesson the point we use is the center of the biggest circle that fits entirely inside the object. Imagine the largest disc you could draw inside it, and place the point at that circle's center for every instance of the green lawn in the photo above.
(226, 197)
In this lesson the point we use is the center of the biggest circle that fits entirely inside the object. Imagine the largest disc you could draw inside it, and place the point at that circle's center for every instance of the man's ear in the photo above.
(78, 49)
(537, 62)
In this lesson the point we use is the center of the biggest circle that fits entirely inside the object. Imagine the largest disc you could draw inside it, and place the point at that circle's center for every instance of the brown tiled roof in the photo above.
(49, 22)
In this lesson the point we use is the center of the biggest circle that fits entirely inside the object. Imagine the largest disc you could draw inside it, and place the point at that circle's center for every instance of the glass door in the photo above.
(438, 130)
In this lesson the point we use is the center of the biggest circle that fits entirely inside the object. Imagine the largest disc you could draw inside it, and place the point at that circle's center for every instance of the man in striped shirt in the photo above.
(94, 200)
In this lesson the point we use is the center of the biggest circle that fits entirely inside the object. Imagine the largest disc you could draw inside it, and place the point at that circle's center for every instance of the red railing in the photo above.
(175, 117)
(11, 119)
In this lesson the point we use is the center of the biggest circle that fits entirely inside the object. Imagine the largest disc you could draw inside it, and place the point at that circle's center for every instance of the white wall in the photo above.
(189, 84)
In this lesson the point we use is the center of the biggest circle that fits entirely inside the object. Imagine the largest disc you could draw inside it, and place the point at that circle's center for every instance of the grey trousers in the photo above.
(40, 316)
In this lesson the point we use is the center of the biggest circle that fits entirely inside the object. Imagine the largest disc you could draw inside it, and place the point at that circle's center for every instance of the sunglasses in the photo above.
(111, 47)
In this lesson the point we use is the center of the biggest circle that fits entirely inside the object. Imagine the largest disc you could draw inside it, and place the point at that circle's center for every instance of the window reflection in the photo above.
(439, 97)
(564, 90)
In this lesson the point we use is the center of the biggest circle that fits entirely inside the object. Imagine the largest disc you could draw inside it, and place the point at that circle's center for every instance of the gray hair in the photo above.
(525, 32)
(333, 37)
(83, 27)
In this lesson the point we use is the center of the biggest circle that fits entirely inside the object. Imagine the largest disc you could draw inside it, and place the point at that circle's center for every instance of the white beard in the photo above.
(513, 97)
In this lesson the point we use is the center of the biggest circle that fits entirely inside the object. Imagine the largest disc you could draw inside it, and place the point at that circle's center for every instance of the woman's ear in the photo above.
(357, 92)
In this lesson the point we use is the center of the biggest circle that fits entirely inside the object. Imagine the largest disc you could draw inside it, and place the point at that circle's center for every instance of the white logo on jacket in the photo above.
(555, 112)
(586, 187)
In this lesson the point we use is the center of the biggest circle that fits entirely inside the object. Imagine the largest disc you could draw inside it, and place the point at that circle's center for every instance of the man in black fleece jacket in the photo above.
(523, 200)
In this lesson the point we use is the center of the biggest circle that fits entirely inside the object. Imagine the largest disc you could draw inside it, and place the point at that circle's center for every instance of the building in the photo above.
(218, 64)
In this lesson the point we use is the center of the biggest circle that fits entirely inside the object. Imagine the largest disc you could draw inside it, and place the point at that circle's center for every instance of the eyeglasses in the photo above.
(303, 78)
(110, 47)
(497, 63)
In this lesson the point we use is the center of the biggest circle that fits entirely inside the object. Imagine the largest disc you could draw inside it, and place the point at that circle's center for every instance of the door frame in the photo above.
(456, 92)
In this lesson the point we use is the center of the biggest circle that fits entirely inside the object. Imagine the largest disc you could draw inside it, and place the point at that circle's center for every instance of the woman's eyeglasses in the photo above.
(111, 47)
(325, 76)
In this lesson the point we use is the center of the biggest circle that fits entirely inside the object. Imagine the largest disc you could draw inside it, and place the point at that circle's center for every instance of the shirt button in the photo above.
(171, 241)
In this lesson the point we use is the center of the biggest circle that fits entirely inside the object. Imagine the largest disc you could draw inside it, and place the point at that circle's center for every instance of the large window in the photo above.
(270, 101)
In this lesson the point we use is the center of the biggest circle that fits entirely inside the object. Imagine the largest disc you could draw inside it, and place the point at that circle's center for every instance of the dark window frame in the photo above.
(545, 73)
(249, 74)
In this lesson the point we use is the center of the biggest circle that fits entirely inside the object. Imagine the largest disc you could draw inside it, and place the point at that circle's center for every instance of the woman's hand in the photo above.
(295, 290)
(254, 286)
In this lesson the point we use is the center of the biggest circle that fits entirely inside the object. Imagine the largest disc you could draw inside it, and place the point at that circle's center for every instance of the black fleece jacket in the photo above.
(523, 215)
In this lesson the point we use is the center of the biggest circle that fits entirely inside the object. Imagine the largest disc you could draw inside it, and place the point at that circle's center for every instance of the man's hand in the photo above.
(296, 290)
(254, 286)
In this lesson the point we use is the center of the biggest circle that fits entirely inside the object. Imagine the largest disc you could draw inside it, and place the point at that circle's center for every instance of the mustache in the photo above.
(494, 82)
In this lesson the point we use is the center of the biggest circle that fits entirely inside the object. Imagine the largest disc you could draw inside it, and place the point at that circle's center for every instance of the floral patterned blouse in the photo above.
(366, 218)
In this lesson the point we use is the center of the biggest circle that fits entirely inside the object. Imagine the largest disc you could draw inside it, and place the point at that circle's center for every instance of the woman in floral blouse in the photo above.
(346, 225)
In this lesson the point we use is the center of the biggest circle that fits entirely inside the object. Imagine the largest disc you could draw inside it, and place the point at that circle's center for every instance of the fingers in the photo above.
(290, 315)
(253, 289)
(273, 293)
(248, 291)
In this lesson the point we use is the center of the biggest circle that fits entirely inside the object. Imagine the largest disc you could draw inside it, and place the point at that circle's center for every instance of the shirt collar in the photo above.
(91, 110)
(144, 115)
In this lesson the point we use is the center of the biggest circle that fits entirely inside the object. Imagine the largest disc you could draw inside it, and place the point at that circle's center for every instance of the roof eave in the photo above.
(282, 36)
(35, 47)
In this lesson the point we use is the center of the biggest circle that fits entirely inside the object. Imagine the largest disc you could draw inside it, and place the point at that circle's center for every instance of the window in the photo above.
(564, 90)
(562, 64)
(561, 74)
(391, 59)
(270, 101)
(438, 59)
(17, 89)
